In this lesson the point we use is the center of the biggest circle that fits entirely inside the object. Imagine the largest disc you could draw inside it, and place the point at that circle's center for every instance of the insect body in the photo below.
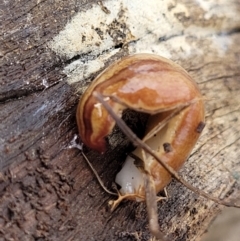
(157, 86)
(154, 85)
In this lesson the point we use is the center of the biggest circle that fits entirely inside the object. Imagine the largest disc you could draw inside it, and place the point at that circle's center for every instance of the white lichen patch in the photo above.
(220, 8)
(149, 26)
(94, 31)
(82, 68)
(222, 43)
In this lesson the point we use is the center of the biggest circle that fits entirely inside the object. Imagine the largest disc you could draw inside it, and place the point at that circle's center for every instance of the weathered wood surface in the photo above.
(47, 191)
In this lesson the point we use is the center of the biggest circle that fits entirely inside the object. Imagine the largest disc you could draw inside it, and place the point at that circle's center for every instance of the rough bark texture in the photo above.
(47, 192)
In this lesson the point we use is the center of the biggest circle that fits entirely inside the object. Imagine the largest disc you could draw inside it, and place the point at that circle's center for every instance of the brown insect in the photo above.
(151, 84)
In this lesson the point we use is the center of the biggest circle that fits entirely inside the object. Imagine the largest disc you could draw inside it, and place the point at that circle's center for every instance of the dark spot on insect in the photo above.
(167, 147)
(200, 127)
(154, 135)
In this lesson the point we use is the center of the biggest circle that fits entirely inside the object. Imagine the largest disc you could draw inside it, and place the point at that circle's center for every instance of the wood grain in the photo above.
(47, 192)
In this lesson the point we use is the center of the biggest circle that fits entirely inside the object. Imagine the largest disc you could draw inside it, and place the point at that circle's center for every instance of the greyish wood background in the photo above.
(49, 53)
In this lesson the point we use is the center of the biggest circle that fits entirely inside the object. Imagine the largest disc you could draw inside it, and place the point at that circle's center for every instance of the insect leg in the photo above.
(136, 141)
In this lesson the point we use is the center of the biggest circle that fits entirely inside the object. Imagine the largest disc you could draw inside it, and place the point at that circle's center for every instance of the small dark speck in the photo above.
(132, 177)
(163, 38)
(167, 147)
(83, 38)
(200, 127)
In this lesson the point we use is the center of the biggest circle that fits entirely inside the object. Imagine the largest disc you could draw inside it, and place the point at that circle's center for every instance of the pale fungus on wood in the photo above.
(50, 52)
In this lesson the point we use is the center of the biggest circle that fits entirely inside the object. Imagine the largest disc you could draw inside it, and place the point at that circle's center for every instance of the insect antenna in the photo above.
(97, 176)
